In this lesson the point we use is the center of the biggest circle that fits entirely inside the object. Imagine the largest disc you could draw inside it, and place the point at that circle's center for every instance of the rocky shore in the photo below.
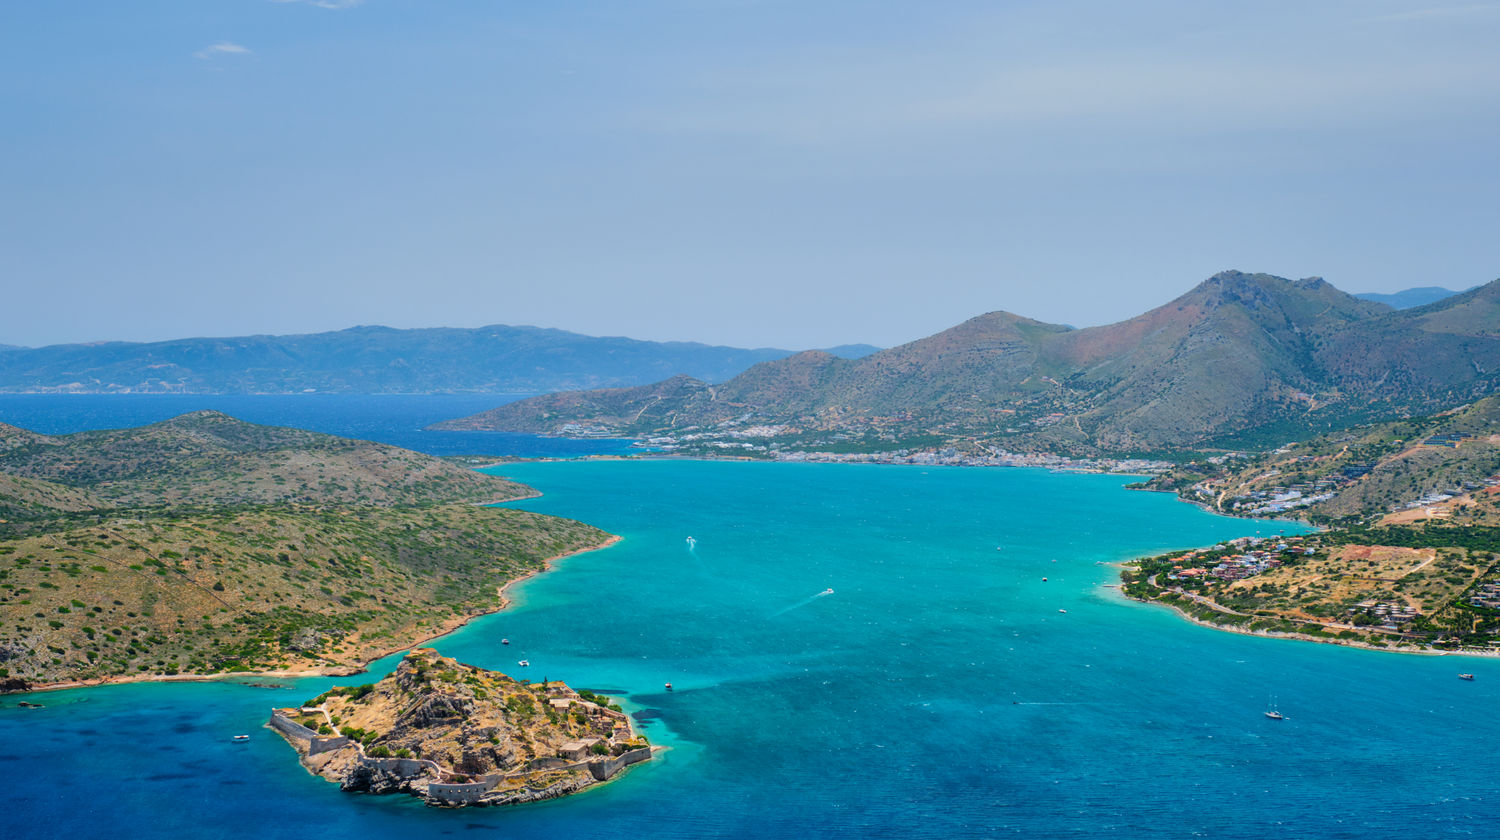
(455, 735)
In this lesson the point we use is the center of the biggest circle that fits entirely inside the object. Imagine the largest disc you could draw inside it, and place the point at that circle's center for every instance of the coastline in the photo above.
(1300, 637)
(447, 627)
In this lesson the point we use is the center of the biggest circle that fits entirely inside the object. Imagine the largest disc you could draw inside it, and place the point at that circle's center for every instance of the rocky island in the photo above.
(456, 735)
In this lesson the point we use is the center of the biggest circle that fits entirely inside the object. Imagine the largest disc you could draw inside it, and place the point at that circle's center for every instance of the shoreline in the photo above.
(448, 626)
(834, 458)
(1300, 637)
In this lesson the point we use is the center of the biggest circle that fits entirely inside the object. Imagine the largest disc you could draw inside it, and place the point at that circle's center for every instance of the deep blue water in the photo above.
(940, 691)
(397, 419)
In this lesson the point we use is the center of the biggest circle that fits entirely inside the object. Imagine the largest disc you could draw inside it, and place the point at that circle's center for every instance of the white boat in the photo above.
(524, 663)
(1469, 677)
(242, 737)
(826, 592)
(1271, 710)
(505, 641)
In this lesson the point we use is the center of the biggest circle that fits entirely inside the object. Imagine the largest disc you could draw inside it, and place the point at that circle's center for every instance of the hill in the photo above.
(204, 544)
(1241, 357)
(495, 359)
(210, 458)
(1443, 468)
(1409, 298)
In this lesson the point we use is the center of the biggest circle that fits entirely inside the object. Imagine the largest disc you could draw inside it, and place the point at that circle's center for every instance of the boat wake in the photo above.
(804, 602)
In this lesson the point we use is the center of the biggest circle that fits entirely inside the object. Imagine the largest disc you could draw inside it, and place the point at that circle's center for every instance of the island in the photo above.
(456, 735)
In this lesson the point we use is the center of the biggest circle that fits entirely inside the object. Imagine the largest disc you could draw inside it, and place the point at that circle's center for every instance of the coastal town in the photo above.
(761, 443)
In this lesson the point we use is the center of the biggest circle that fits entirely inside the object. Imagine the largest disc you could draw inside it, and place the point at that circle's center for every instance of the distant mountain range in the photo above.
(1409, 298)
(1238, 359)
(494, 359)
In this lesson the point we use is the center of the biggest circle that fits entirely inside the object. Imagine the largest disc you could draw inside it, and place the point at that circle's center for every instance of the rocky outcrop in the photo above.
(10, 684)
(456, 735)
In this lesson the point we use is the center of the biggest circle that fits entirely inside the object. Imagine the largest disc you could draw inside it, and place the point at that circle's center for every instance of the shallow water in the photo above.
(939, 691)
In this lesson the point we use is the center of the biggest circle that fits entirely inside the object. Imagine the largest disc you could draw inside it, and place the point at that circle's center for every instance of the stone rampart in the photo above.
(607, 768)
(323, 745)
(465, 793)
(315, 743)
(291, 727)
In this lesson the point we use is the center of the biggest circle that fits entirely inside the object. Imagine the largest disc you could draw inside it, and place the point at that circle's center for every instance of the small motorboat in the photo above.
(241, 738)
(1062, 611)
(1469, 677)
(505, 641)
(669, 686)
(826, 592)
(524, 663)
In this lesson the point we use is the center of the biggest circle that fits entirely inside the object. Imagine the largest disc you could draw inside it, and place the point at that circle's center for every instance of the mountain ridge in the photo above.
(1408, 298)
(373, 359)
(1238, 353)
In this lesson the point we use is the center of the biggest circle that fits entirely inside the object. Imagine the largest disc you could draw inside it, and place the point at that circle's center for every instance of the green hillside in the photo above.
(204, 544)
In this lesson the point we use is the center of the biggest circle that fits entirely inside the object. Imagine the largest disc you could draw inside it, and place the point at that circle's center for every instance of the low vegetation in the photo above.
(1421, 587)
(240, 576)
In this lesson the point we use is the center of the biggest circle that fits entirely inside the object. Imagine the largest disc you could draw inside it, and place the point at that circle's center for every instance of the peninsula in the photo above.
(204, 545)
(456, 735)
(1411, 560)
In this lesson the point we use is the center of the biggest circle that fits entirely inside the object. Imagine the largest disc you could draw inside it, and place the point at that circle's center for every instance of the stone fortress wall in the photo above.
(606, 768)
(315, 743)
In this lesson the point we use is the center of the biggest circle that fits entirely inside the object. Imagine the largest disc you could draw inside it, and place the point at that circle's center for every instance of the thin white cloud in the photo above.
(325, 4)
(221, 48)
(1441, 12)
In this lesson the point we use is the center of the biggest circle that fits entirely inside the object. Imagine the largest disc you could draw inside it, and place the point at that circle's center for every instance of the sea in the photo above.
(855, 651)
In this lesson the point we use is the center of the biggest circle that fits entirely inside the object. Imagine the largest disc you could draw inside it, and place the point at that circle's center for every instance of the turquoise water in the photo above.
(940, 691)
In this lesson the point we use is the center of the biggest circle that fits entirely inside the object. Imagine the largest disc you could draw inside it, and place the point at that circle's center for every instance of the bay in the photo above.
(972, 673)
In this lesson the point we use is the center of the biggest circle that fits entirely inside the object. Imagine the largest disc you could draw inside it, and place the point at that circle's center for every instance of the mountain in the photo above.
(852, 351)
(1240, 354)
(494, 359)
(1408, 298)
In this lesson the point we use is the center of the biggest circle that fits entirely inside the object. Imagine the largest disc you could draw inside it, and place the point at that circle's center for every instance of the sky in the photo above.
(787, 173)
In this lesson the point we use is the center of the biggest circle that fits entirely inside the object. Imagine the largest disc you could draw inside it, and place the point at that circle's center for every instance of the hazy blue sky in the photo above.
(755, 172)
